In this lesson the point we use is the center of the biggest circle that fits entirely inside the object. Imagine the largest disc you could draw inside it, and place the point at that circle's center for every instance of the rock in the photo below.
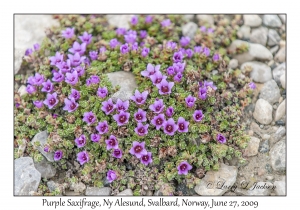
(283, 18)
(273, 37)
(270, 92)
(46, 169)
(189, 29)
(119, 21)
(71, 193)
(42, 139)
(95, 191)
(79, 187)
(270, 178)
(127, 83)
(277, 154)
(266, 137)
(188, 17)
(280, 122)
(263, 112)
(213, 180)
(158, 193)
(259, 35)
(278, 71)
(255, 52)
(52, 186)
(260, 72)
(184, 189)
(233, 64)
(272, 21)
(282, 44)
(281, 111)
(252, 148)
(282, 81)
(280, 188)
(274, 50)
(244, 32)
(22, 148)
(261, 188)
(126, 192)
(29, 29)
(279, 134)
(252, 20)
(149, 193)
(26, 177)
(264, 147)
(206, 19)
(22, 91)
(280, 55)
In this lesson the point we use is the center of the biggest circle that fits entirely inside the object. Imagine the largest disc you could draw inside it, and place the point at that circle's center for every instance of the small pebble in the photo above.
(280, 122)
(261, 126)
(275, 107)
(270, 177)
(266, 137)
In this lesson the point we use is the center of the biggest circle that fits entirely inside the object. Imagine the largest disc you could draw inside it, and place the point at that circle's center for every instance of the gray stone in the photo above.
(29, 29)
(280, 55)
(283, 18)
(272, 21)
(273, 37)
(280, 188)
(282, 81)
(259, 35)
(189, 29)
(93, 191)
(263, 112)
(127, 83)
(233, 63)
(127, 192)
(264, 147)
(79, 187)
(274, 50)
(22, 90)
(266, 137)
(244, 32)
(46, 169)
(42, 139)
(260, 72)
(281, 111)
(71, 193)
(26, 177)
(252, 148)
(278, 71)
(252, 20)
(213, 180)
(206, 19)
(261, 188)
(119, 21)
(52, 186)
(279, 134)
(188, 17)
(277, 154)
(270, 92)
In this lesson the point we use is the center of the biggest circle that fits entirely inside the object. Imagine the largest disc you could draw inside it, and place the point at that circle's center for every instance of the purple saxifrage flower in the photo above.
(86, 38)
(157, 106)
(121, 118)
(95, 79)
(206, 51)
(76, 59)
(198, 49)
(108, 106)
(143, 34)
(102, 50)
(221, 139)
(145, 51)
(158, 121)
(190, 101)
(71, 78)
(64, 66)
(171, 45)
(184, 41)
(165, 87)
(83, 157)
(177, 57)
(165, 23)
(47, 86)
(36, 47)
(170, 111)
(78, 48)
(216, 57)
(170, 127)
(140, 116)
(210, 30)
(134, 20)
(141, 129)
(183, 126)
(74, 94)
(202, 93)
(30, 80)
(17, 105)
(28, 52)
(111, 176)
(139, 98)
(102, 127)
(148, 19)
(184, 167)
(130, 37)
(138, 149)
(38, 79)
(178, 77)
(70, 105)
(157, 77)
(68, 33)
(95, 137)
(135, 47)
(31, 89)
(252, 85)
(54, 116)
(112, 143)
(58, 58)
(102, 92)
(209, 84)
(80, 141)
(146, 159)
(117, 153)
(122, 105)
(58, 76)
(203, 29)
(171, 70)
(51, 100)
(58, 155)
(121, 31)
(113, 43)
(124, 48)
(151, 70)
(38, 104)
(198, 115)
(89, 117)
(93, 55)
(46, 149)
(189, 53)
(179, 67)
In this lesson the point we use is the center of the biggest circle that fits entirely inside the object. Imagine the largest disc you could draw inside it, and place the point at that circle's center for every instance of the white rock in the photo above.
(244, 32)
(281, 111)
(252, 20)
(188, 17)
(270, 92)
(119, 21)
(273, 37)
(263, 112)
(127, 192)
(280, 55)
(22, 90)
(259, 35)
(46, 169)
(96, 191)
(278, 71)
(233, 63)
(283, 18)
(261, 188)
(260, 72)
(252, 148)
(282, 81)
(42, 139)
(206, 18)
(274, 49)
(272, 21)
(280, 187)
(189, 29)
(277, 154)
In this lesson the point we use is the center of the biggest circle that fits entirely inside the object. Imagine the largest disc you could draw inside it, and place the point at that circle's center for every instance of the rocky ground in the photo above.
(265, 117)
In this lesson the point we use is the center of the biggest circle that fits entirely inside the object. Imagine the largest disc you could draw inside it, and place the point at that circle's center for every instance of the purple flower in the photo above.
(171, 45)
(216, 57)
(165, 23)
(178, 77)
(171, 70)
(70, 105)
(112, 143)
(88, 82)
(130, 37)
(198, 115)
(38, 104)
(51, 100)
(80, 141)
(146, 159)
(29, 51)
(121, 118)
(134, 20)
(252, 85)
(95, 79)
(47, 86)
(80, 70)
(83, 157)
(89, 117)
(184, 167)
(78, 48)
(143, 34)
(111, 176)
(30, 89)
(150, 70)
(71, 78)
(203, 28)
(102, 127)
(102, 50)
(46, 149)
(58, 155)
(124, 48)
(170, 127)
(54, 116)
(30, 80)
(117, 153)
(177, 57)
(139, 98)
(64, 67)
(170, 111)
(86, 38)
(58, 76)
(58, 58)
(183, 126)
(210, 30)
(202, 93)
(108, 106)
(102, 92)
(138, 149)
(182, 50)
(95, 137)
(206, 51)
(36, 46)
(189, 53)
(158, 121)
(113, 43)
(184, 41)
(145, 51)
(157, 78)
(190, 101)
(39, 79)
(197, 49)
(157, 106)
(221, 139)
(140, 116)
(93, 55)
(165, 87)
(141, 129)
(17, 105)
(121, 31)
(148, 19)
(135, 47)
(122, 106)
(74, 94)
(76, 59)
(68, 33)
(210, 84)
